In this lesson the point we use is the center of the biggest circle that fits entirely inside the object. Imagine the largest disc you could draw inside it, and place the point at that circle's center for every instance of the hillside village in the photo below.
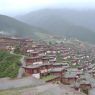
(68, 64)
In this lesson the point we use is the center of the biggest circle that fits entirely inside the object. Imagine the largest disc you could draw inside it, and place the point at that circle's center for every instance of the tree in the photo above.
(58, 58)
(17, 50)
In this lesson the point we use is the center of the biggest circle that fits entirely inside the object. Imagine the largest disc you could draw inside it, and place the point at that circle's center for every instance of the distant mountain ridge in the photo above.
(62, 23)
(83, 18)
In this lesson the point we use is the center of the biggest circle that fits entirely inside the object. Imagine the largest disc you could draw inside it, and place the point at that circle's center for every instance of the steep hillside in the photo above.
(9, 64)
(12, 27)
(54, 22)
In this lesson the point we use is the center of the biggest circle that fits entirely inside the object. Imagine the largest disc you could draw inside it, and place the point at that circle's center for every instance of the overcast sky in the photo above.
(14, 7)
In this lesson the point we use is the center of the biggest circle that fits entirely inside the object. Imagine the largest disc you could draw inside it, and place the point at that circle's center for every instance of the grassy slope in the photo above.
(49, 77)
(9, 64)
(14, 27)
(10, 92)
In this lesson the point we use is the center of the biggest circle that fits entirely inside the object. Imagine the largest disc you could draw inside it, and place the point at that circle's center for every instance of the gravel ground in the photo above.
(51, 89)
(45, 89)
(24, 82)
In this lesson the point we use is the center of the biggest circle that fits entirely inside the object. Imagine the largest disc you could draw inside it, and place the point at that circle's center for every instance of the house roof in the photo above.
(56, 69)
(70, 75)
(63, 64)
(33, 66)
(32, 57)
(84, 82)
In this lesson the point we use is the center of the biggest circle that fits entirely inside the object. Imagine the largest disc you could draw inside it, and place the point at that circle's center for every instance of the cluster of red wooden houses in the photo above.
(41, 61)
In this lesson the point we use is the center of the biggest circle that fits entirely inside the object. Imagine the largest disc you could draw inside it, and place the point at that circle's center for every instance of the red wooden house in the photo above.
(31, 60)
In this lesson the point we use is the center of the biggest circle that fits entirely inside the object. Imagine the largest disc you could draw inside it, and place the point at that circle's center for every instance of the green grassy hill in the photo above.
(9, 64)
(12, 27)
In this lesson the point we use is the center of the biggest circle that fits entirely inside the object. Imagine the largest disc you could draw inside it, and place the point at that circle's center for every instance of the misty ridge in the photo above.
(83, 18)
(68, 23)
